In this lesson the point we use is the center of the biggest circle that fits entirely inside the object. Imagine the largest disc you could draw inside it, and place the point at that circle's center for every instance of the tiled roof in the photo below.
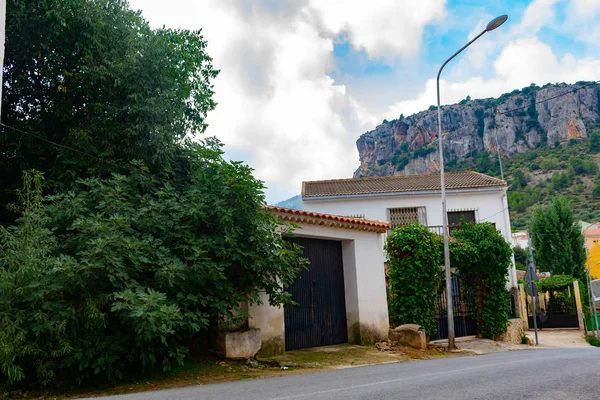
(301, 216)
(398, 184)
(521, 275)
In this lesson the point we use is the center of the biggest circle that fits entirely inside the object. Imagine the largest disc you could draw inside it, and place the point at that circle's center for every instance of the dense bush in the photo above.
(129, 271)
(557, 239)
(482, 258)
(414, 274)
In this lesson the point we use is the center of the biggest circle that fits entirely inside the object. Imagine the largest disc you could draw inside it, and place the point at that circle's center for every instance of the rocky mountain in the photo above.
(295, 203)
(535, 117)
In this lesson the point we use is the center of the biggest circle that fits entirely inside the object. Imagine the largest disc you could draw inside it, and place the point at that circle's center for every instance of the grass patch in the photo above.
(593, 340)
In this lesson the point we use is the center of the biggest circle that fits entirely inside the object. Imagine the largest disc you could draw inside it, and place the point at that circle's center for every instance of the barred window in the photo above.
(454, 217)
(407, 215)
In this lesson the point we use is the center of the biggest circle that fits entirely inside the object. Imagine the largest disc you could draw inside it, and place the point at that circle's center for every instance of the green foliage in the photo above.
(593, 340)
(557, 239)
(414, 275)
(94, 76)
(555, 282)
(594, 144)
(524, 339)
(135, 269)
(582, 166)
(520, 180)
(480, 122)
(465, 100)
(482, 258)
(402, 156)
(596, 189)
(521, 258)
(400, 161)
(423, 151)
(560, 180)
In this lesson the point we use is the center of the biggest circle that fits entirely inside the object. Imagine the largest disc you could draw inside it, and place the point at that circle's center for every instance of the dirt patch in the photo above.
(352, 355)
(218, 370)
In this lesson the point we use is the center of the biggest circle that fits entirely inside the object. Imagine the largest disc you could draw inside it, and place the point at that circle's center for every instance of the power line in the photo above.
(493, 215)
(548, 99)
(25, 133)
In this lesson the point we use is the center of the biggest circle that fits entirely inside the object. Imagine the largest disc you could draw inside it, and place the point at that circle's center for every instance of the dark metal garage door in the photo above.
(319, 317)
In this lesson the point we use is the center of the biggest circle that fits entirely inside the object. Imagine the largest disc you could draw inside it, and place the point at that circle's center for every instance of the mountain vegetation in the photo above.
(539, 175)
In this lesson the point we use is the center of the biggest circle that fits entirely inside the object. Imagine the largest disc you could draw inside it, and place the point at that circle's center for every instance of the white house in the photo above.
(415, 198)
(520, 239)
(341, 296)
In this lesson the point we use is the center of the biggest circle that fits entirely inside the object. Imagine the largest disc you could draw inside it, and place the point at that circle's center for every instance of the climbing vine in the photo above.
(482, 258)
(414, 273)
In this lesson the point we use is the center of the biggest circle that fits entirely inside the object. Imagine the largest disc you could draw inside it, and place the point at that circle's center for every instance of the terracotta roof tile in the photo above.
(398, 184)
(360, 223)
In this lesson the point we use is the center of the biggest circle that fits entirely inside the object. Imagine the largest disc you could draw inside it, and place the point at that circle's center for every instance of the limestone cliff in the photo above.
(540, 117)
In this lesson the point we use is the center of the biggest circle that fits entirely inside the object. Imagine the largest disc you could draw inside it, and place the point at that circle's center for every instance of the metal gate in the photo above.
(558, 306)
(319, 317)
(464, 323)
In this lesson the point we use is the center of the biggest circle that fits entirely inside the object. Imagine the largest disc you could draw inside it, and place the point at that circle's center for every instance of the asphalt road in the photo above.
(528, 374)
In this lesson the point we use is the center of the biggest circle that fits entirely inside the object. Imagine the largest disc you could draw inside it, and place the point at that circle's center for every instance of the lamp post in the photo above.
(493, 24)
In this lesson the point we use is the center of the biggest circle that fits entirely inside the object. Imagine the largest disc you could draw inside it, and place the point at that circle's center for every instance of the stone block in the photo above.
(409, 334)
(513, 333)
(240, 345)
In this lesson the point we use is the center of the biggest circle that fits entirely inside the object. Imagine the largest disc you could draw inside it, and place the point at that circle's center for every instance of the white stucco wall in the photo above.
(364, 285)
(270, 321)
(489, 206)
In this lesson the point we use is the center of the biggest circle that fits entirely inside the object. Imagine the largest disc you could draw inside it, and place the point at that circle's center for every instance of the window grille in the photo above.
(407, 215)
(454, 217)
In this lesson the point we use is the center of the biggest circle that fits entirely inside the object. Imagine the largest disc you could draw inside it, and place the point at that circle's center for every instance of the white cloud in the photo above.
(581, 21)
(538, 14)
(520, 63)
(276, 100)
(585, 9)
(383, 28)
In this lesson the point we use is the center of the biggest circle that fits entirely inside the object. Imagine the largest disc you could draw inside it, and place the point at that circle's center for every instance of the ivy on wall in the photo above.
(482, 258)
(414, 275)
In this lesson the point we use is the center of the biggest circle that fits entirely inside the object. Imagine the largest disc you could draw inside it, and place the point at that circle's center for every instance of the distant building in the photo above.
(519, 239)
(591, 233)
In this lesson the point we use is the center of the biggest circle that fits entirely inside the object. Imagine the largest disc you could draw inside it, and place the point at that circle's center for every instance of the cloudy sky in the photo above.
(301, 80)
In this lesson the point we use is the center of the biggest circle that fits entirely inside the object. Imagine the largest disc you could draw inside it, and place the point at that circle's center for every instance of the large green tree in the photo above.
(557, 239)
(133, 271)
(93, 75)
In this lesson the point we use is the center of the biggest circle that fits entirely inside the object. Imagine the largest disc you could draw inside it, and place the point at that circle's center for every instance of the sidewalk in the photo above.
(558, 338)
(474, 345)
(562, 338)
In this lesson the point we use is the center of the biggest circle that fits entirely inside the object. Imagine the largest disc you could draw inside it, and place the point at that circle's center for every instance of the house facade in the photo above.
(405, 199)
(340, 297)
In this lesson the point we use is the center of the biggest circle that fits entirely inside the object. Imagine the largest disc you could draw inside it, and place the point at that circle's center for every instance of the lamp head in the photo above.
(496, 22)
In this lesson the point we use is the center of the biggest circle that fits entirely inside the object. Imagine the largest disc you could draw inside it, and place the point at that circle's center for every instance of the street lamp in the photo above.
(493, 24)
